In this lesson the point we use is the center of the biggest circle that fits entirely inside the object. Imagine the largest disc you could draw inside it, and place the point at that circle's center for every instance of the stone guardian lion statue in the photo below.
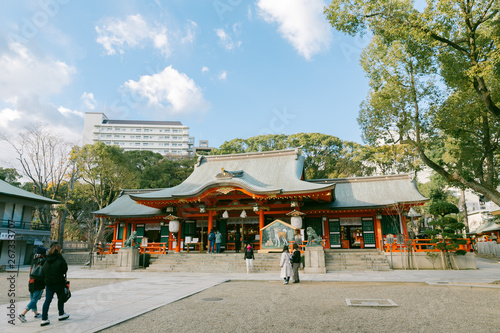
(312, 238)
(130, 241)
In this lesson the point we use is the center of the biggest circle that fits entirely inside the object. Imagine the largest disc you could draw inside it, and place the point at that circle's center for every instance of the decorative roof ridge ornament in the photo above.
(228, 174)
(295, 213)
(171, 217)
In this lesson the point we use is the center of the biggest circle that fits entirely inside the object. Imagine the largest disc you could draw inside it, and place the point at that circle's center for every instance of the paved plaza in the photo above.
(140, 292)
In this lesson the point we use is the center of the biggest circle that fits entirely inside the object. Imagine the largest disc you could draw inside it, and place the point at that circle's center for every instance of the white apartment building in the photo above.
(164, 137)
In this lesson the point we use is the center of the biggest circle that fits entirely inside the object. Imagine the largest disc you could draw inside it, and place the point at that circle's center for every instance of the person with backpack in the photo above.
(211, 241)
(36, 285)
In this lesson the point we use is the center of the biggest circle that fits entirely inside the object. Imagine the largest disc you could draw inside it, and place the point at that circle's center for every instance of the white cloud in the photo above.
(223, 75)
(226, 40)
(67, 112)
(171, 89)
(190, 33)
(23, 74)
(7, 115)
(301, 23)
(89, 101)
(204, 69)
(116, 35)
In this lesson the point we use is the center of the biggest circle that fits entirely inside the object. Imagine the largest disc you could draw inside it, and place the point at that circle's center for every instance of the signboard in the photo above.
(276, 235)
(152, 226)
(144, 242)
(400, 239)
(390, 238)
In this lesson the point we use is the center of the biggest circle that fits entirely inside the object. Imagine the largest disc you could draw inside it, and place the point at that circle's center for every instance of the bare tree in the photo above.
(44, 160)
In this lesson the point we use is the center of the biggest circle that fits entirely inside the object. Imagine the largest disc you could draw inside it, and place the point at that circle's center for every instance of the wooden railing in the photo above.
(154, 248)
(422, 245)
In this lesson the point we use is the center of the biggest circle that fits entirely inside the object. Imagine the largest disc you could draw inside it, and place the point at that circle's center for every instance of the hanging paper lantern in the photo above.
(173, 226)
(225, 215)
(296, 222)
(296, 219)
(243, 214)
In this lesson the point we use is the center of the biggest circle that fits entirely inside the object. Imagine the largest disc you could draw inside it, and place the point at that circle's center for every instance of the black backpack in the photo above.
(36, 271)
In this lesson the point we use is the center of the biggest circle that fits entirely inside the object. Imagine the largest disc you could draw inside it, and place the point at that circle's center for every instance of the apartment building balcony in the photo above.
(23, 225)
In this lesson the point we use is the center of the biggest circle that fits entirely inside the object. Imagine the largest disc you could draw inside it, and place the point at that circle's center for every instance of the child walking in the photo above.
(35, 286)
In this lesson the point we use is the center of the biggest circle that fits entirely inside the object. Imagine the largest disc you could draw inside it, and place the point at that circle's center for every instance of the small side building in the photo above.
(19, 233)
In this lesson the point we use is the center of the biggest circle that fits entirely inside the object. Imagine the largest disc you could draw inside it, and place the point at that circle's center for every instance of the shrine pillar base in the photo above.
(314, 258)
(128, 260)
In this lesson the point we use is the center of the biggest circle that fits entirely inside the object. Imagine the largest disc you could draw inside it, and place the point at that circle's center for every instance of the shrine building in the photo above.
(251, 190)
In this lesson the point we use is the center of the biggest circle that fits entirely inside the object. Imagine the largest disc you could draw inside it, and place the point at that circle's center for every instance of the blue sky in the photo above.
(225, 68)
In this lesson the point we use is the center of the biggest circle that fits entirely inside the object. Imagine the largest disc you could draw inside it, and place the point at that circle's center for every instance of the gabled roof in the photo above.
(486, 227)
(278, 221)
(10, 190)
(124, 206)
(373, 192)
(264, 173)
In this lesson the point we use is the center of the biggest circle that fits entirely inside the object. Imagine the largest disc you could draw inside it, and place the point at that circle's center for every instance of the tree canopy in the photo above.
(435, 78)
(326, 156)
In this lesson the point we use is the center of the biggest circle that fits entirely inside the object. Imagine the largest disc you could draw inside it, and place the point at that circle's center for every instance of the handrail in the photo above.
(423, 245)
(25, 225)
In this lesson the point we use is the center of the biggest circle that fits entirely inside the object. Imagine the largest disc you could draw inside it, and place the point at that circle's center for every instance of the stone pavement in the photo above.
(96, 308)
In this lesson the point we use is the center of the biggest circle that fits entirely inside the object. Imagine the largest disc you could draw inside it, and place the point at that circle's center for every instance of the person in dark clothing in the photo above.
(249, 257)
(54, 270)
(296, 263)
(35, 285)
(237, 240)
(211, 241)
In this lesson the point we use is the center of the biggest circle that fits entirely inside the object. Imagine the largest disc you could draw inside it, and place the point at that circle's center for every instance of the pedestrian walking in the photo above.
(211, 241)
(36, 285)
(54, 271)
(296, 263)
(237, 240)
(249, 257)
(286, 265)
(218, 241)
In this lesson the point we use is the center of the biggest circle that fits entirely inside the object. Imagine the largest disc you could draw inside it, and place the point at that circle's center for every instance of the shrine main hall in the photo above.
(249, 192)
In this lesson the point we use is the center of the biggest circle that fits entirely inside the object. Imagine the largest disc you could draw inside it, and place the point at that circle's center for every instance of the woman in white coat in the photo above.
(286, 265)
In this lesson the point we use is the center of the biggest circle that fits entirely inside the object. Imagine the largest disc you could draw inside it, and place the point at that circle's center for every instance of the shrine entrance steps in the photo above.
(336, 260)
(355, 260)
(213, 263)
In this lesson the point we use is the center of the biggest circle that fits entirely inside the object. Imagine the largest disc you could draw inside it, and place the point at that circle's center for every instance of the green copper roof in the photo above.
(10, 190)
(372, 192)
(272, 172)
(124, 206)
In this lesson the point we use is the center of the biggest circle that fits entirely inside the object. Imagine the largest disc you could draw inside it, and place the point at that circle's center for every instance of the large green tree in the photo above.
(434, 77)
(10, 175)
(106, 171)
(326, 156)
(152, 170)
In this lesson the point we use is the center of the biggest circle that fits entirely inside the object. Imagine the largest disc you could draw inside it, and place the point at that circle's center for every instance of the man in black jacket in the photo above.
(296, 263)
(54, 270)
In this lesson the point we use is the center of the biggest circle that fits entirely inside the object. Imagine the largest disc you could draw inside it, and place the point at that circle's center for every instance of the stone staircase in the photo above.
(213, 263)
(356, 260)
(107, 261)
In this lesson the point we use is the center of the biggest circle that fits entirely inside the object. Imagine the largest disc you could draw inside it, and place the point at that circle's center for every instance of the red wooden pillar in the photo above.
(178, 248)
(170, 240)
(326, 227)
(378, 234)
(124, 233)
(261, 225)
